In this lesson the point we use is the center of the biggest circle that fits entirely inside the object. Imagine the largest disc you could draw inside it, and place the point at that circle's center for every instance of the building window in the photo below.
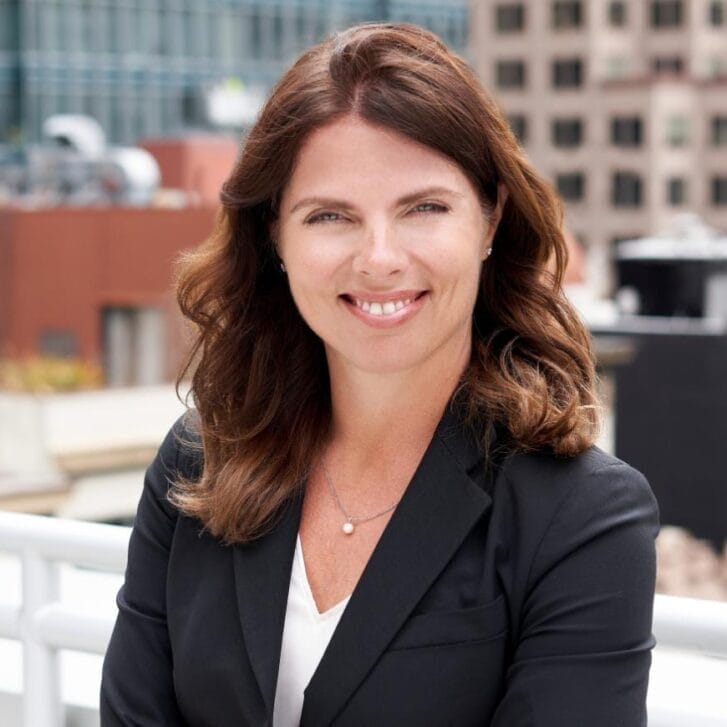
(617, 13)
(567, 132)
(666, 13)
(719, 191)
(510, 17)
(567, 73)
(675, 191)
(719, 130)
(510, 74)
(56, 342)
(567, 14)
(134, 347)
(571, 186)
(677, 130)
(626, 189)
(617, 67)
(519, 125)
(717, 67)
(626, 131)
(667, 64)
(716, 12)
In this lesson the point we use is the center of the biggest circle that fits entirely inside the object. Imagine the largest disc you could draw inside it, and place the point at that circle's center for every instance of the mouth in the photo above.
(384, 307)
(384, 311)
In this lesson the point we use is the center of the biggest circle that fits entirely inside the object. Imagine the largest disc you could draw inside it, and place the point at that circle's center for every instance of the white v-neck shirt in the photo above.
(305, 636)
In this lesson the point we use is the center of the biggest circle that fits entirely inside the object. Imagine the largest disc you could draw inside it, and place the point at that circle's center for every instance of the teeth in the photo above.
(382, 309)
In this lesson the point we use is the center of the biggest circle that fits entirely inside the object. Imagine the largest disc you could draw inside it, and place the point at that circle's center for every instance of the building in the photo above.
(146, 68)
(621, 104)
(96, 283)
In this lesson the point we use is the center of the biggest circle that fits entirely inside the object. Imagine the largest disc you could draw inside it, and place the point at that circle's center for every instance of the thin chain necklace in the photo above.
(348, 526)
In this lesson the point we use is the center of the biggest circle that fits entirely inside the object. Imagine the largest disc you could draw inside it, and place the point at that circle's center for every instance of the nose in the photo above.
(380, 254)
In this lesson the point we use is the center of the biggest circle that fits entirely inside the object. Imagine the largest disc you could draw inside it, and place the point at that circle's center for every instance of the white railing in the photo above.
(44, 624)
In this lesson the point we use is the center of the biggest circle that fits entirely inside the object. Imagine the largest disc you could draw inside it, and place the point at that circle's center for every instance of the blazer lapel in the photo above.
(262, 576)
(440, 506)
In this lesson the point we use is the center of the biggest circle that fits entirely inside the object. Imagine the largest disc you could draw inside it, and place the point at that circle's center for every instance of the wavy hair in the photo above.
(259, 374)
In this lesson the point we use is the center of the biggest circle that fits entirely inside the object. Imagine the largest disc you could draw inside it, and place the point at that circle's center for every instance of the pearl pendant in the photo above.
(347, 528)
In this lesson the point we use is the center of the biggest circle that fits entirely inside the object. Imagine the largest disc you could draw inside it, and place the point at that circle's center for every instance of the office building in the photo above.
(622, 105)
(146, 67)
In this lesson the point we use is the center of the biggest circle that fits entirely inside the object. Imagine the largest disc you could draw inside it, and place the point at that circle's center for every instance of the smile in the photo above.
(384, 313)
(381, 309)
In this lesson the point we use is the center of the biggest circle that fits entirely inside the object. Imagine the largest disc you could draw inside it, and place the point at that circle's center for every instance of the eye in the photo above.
(322, 217)
(431, 207)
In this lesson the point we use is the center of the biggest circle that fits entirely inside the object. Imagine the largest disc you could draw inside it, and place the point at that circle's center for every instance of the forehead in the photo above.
(352, 155)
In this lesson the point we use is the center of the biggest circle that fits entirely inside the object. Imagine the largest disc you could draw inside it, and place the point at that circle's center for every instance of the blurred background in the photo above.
(119, 121)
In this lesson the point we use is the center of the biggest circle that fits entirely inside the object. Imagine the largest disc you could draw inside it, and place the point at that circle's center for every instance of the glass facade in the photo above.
(141, 67)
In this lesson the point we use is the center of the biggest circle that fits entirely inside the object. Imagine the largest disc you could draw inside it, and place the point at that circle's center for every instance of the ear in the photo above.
(502, 195)
(494, 220)
(273, 229)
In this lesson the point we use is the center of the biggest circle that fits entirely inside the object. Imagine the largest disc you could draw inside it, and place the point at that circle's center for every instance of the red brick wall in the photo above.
(60, 266)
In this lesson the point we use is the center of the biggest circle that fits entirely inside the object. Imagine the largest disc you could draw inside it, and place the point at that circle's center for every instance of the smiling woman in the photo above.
(407, 263)
(386, 507)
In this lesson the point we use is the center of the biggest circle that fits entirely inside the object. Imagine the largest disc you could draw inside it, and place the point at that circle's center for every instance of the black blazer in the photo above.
(513, 596)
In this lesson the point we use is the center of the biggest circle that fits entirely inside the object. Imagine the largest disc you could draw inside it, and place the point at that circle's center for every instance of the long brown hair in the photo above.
(260, 380)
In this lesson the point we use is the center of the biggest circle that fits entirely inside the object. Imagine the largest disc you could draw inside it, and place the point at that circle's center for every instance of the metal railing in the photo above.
(44, 624)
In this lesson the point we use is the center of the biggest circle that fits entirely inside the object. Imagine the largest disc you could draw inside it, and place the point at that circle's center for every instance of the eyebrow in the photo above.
(406, 199)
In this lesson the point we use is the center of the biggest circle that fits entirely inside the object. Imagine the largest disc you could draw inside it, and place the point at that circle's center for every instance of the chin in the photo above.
(385, 359)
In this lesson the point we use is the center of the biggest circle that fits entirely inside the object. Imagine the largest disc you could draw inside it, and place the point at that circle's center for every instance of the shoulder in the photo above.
(180, 454)
(570, 517)
(545, 492)
(592, 473)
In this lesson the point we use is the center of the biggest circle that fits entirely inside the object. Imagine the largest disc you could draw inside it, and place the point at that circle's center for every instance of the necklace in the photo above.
(348, 527)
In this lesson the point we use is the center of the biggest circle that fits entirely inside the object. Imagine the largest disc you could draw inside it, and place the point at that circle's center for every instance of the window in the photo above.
(55, 342)
(510, 17)
(666, 13)
(719, 130)
(717, 67)
(617, 67)
(571, 186)
(716, 12)
(567, 132)
(667, 64)
(567, 73)
(567, 14)
(510, 74)
(617, 13)
(626, 131)
(677, 130)
(719, 191)
(626, 189)
(519, 125)
(675, 191)
(134, 350)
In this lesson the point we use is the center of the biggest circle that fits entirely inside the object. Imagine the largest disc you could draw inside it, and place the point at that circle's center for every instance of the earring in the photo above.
(275, 249)
(488, 252)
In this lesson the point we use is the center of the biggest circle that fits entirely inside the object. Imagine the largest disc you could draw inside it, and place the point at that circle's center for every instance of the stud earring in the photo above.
(275, 252)
(488, 252)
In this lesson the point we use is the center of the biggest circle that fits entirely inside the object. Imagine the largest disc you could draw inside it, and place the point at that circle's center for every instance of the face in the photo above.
(383, 240)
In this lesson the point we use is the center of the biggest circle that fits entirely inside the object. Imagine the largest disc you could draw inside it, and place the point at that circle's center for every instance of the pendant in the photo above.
(347, 527)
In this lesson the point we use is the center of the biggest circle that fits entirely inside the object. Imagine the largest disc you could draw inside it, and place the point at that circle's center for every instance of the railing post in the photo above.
(41, 685)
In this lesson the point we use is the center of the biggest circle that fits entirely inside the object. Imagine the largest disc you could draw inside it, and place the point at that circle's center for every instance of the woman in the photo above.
(387, 508)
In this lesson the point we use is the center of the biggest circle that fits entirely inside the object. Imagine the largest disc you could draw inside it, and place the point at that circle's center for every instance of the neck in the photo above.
(393, 412)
